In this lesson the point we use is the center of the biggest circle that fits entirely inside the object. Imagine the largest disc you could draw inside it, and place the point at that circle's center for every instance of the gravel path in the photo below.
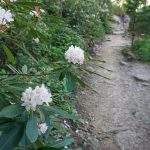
(120, 112)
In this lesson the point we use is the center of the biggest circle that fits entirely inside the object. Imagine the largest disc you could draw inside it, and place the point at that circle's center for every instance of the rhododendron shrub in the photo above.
(42, 57)
(32, 105)
(89, 18)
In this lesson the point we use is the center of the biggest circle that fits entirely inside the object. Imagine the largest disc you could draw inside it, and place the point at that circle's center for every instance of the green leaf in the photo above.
(13, 89)
(3, 101)
(11, 111)
(82, 83)
(62, 75)
(86, 55)
(6, 126)
(61, 113)
(9, 54)
(22, 47)
(10, 138)
(24, 142)
(60, 143)
(70, 82)
(32, 129)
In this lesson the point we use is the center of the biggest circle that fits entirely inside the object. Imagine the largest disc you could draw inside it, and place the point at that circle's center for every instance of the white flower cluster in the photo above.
(42, 128)
(32, 98)
(75, 55)
(5, 1)
(5, 16)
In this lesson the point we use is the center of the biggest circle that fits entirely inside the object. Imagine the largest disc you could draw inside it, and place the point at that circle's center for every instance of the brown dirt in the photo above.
(120, 112)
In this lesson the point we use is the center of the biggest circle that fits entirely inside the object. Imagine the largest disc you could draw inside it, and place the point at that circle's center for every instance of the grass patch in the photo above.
(140, 49)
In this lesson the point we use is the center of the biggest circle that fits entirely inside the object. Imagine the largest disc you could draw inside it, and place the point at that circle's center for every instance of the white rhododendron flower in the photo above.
(75, 55)
(5, 16)
(32, 98)
(42, 128)
(36, 40)
(43, 94)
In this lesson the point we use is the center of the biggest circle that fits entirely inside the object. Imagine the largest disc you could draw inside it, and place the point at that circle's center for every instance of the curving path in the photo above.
(120, 112)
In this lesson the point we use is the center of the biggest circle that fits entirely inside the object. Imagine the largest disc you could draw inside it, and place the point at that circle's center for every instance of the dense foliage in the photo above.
(142, 21)
(41, 59)
(138, 12)
(140, 49)
(88, 18)
(139, 28)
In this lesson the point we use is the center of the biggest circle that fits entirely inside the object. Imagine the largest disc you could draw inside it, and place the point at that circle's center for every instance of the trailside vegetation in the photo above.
(139, 12)
(43, 49)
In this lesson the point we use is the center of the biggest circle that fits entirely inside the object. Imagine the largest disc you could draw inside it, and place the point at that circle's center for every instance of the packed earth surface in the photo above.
(118, 113)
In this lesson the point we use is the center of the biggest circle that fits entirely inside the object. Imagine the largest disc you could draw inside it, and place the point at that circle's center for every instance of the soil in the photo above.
(118, 115)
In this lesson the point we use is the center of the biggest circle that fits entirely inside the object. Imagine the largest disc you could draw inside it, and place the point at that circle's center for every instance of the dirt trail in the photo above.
(120, 113)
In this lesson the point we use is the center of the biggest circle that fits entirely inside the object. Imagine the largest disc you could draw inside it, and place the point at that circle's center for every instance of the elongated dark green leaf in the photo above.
(70, 82)
(24, 142)
(86, 55)
(22, 47)
(11, 111)
(8, 79)
(32, 129)
(61, 113)
(12, 89)
(10, 138)
(9, 54)
(3, 102)
(60, 143)
(62, 75)
(82, 83)
(6, 126)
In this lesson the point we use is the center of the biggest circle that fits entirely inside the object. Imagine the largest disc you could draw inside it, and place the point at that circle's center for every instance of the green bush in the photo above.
(33, 54)
(141, 48)
(139, 13)
(61, 37)
(88, 18)
(142, 20)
